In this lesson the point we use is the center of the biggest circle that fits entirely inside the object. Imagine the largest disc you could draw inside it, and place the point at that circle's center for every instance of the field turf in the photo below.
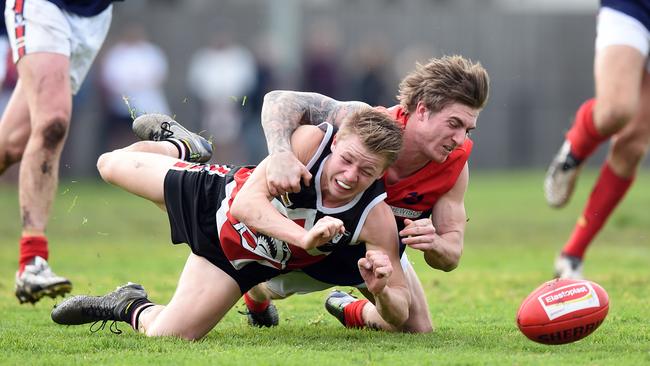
(102, 237)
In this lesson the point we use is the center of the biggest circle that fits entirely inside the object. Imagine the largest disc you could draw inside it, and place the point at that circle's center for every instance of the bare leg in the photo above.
(46, 85)
(203, 296)
(14, 128)
(140, 173)
(630, 145)
(261, 293)
(618, 73)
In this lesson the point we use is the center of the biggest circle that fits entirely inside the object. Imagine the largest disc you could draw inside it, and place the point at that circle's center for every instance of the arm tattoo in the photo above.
(284, 111)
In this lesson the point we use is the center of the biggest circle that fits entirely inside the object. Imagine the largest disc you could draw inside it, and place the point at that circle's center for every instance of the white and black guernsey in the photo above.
(243, 245)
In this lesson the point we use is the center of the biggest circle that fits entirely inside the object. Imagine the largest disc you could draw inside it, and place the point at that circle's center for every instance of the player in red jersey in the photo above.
(620, 113)
(439, 105)
(240, 234)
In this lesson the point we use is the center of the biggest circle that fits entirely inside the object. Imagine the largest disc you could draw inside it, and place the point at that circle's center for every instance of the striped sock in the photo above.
(183, 149)
(134, 310)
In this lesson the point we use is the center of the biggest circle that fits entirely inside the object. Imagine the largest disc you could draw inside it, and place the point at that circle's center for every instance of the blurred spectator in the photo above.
(371, 74)
(266, 59)
(133, 73)
(221, 76)
(321, 69)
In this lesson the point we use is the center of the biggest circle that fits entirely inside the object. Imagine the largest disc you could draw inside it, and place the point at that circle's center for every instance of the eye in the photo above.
(346, 159)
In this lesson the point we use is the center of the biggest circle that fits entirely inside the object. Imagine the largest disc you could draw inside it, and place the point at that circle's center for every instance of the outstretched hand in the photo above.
(322, 232)
(375, 270)
(284, 173)
(419, 234)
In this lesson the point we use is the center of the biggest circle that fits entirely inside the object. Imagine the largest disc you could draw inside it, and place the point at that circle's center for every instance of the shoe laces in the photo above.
(112, 327)
(164, 133)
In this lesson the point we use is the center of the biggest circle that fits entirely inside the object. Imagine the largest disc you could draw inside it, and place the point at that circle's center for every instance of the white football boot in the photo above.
(568, 266)
(561, 177)
(38, 280)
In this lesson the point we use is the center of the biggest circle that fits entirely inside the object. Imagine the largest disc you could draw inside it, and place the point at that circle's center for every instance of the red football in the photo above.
(563, 311)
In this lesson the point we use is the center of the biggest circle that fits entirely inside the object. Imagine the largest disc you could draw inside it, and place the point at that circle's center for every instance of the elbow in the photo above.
(272, 98)
(451, 265)
(237, 210)
(272, 95)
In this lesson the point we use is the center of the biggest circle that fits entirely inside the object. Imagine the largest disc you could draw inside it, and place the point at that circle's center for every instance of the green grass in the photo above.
(101, 237)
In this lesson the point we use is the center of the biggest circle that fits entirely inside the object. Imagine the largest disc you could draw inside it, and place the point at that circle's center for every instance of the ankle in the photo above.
(31, 247)
(256, 306)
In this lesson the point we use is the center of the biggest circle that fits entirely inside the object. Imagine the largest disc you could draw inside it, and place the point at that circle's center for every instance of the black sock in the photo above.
(137, 305)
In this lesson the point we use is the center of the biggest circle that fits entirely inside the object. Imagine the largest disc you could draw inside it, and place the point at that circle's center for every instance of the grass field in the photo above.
(101, 237)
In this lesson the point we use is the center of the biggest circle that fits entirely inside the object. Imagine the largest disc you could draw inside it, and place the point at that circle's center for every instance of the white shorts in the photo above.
(297, 282)
(617, 28)
(40, 26)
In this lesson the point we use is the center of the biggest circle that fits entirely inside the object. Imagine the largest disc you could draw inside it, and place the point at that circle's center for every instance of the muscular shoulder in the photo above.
(305, 141)
(380, 229)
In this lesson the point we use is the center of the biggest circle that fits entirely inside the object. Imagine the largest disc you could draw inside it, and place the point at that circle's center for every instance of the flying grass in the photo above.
(110, 238)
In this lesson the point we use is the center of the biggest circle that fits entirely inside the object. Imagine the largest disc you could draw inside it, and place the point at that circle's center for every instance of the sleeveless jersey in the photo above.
(243, 245)
(412, 197)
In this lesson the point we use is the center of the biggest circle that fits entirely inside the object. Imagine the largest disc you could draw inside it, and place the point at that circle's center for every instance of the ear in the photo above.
(421, 111)
(333, 147)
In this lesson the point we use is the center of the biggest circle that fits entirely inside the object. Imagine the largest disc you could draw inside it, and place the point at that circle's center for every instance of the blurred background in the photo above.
(209, 63)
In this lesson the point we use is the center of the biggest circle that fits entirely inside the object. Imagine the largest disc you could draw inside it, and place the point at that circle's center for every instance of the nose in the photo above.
(351, 174)
(459, 137)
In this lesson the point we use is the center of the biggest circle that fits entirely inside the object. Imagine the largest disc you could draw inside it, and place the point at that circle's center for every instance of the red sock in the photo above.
(607, 193)
(583, 135)
(353, 314)
(30, 247)
(254, 306)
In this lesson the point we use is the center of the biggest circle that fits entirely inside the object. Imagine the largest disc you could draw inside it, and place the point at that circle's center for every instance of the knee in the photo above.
(614, 115)
(53, 131)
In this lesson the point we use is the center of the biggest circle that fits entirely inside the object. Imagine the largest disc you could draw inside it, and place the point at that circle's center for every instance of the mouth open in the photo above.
(343, 185)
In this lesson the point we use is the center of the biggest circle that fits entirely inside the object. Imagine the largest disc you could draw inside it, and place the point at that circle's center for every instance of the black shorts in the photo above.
(192, 198)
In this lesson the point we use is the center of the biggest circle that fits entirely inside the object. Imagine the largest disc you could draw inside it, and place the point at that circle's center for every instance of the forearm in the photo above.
(259, 214)
(445, 252)
(281, 115)
(283, 111)
(392, 304)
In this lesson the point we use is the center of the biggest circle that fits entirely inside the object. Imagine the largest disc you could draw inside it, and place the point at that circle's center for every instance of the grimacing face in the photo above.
(438, 134)
(350, 170)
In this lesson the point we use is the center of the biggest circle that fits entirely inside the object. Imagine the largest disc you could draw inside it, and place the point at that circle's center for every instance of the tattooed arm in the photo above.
(282, 112)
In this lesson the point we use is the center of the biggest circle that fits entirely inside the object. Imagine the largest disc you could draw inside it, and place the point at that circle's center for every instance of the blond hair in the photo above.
(443, 81)
(377, 131)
